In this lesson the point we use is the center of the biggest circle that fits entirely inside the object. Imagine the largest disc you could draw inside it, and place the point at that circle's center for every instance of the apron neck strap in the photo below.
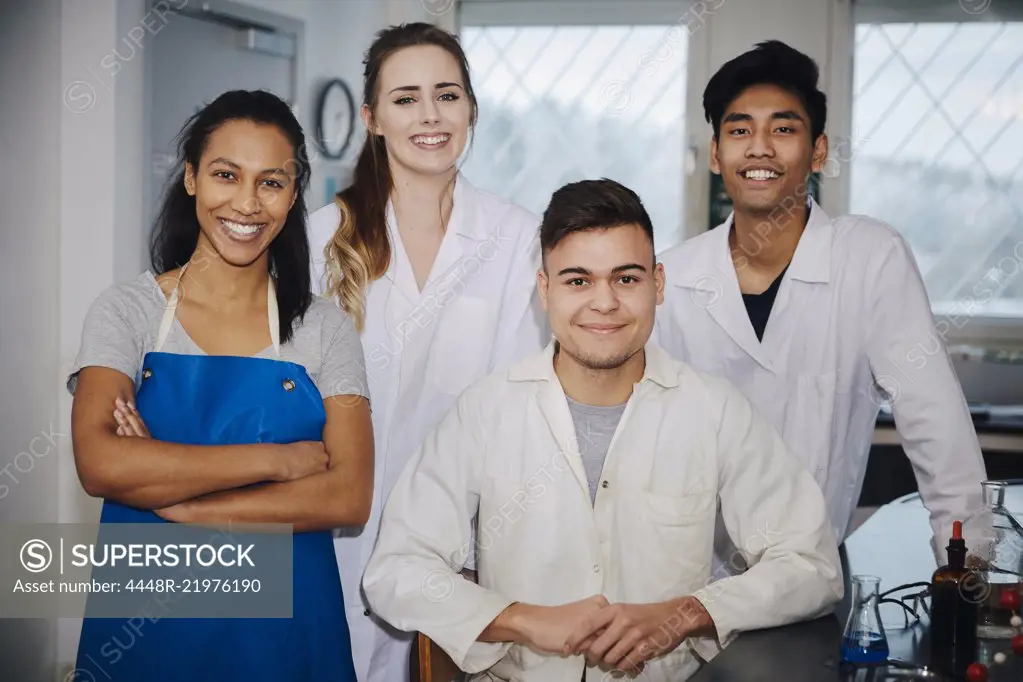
(273, 315)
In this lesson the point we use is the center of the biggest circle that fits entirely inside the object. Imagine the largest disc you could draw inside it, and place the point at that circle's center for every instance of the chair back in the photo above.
(429, 663)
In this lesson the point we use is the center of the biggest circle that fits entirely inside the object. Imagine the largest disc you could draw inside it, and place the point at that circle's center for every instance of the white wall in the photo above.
(29, 262)
(100, 228)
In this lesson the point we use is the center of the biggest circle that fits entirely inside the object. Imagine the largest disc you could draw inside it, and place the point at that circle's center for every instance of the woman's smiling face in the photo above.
(244, 188)
(421, 109)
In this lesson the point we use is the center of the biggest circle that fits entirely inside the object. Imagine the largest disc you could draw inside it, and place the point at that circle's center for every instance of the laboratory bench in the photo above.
(889, 475)
(999, 427)
(894, 544)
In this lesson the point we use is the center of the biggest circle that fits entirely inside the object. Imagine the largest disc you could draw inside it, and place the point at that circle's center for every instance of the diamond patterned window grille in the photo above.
(560, 104)
(938, 153)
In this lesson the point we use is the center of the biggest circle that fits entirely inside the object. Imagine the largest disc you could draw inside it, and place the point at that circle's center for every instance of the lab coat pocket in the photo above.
(681, 528)
(462, 344)
(680, 510)
(808, 428)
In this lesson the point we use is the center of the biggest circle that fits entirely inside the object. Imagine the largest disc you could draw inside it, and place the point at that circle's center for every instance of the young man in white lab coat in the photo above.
(817, 320)
(597, 468)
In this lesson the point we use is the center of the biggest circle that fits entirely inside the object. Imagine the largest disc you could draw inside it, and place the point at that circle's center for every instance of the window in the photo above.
(938, 134)
(560, 103)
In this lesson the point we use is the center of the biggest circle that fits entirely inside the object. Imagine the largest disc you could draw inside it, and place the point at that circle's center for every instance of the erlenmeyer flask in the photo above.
(998, 557)
(864, 640)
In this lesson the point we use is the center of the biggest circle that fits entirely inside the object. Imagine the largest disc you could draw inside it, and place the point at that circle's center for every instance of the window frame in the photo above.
(955, 329)
(571, 12)
(927, 12)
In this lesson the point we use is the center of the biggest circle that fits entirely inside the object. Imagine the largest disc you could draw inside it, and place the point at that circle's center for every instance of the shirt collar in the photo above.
(812, 260)
(810, 263)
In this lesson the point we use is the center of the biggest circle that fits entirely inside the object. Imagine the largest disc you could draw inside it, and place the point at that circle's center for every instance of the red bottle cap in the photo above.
(957, 530)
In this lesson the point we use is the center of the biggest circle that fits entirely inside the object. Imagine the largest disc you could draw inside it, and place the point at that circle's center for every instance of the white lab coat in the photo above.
(477, 312)
(851, 315)
(684, 443)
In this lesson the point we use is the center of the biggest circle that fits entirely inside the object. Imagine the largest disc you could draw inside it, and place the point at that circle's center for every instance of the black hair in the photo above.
(176, 232)
(771, 62)
(591, 205)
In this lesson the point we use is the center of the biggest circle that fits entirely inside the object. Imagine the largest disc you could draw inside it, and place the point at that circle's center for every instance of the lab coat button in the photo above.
(596, 568)
(366, 612)
(604, 484)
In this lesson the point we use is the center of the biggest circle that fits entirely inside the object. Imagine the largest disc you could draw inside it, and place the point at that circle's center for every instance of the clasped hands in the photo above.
(620, 637)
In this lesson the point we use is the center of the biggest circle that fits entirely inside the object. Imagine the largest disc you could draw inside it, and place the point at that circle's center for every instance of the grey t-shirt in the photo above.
(594, 427)
(122, 324)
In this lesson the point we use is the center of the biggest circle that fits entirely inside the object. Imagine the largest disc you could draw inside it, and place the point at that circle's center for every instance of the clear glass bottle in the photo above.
(997, 557)
(864, 640)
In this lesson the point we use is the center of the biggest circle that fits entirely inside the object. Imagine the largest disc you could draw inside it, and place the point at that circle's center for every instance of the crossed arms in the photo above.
(296, 483)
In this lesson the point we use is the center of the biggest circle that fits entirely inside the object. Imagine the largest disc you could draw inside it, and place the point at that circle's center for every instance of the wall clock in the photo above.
(335, 118)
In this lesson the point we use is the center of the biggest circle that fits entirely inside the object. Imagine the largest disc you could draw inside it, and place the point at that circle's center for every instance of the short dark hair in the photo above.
(771, 62)
(591, 205)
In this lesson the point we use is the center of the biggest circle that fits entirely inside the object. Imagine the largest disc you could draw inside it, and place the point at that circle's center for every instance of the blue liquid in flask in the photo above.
(863, 640)
(864, 647)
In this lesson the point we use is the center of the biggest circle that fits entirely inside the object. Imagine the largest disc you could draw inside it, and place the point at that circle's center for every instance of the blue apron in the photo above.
(225, 400)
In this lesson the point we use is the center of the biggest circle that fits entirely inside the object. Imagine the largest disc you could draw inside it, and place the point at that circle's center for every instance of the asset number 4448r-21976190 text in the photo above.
(194, 585)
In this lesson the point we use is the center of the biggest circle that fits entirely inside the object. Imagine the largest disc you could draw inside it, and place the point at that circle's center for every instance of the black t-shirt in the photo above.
(758, 306)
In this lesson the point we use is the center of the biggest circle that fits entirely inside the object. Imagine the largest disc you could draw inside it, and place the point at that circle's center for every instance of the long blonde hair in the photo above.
(360, 250)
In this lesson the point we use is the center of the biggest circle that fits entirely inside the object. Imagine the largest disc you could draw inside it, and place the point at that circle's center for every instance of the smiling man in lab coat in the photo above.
(597, 469)
(817, 320)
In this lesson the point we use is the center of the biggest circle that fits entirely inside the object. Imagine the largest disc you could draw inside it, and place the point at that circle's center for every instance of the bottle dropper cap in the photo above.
(957, 546)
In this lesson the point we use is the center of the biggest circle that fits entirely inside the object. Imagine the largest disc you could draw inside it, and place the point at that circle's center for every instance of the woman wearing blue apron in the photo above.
(222, 391)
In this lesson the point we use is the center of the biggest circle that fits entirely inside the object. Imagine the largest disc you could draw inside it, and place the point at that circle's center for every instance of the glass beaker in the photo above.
(998, 560)
(863, 640)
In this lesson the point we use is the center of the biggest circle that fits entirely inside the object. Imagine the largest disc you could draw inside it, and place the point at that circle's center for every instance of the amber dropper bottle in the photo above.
(955, 595)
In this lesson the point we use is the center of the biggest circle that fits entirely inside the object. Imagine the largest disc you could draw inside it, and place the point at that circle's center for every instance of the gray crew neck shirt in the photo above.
(594, 427)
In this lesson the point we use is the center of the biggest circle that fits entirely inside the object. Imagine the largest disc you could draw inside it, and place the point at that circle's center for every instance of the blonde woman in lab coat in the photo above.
(816, 319)
(437, 274)
(597, 467)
